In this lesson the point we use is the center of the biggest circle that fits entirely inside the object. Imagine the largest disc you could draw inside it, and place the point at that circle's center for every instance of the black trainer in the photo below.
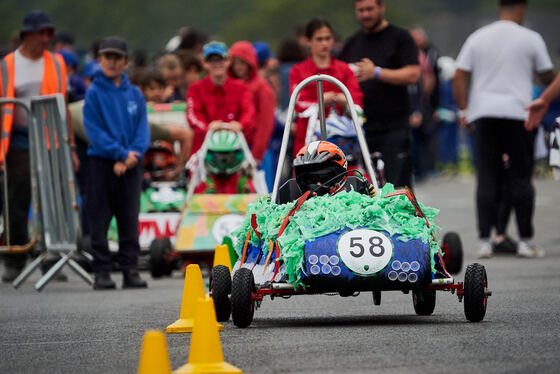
(508, 245)
(131, 279)
(103, 281)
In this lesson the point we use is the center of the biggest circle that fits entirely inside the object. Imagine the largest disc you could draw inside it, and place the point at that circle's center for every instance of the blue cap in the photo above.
(70, 58)
(263, 51)
(214, 48)
(36, 21)
(91, 68)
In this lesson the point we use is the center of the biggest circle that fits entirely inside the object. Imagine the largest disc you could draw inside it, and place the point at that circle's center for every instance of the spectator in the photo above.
(244, 67)
(386, 62)
(76, 87)
(501, 89)
(116, 125)
(28, 71)
(172, 71)
(63, 40)
(152, 85)
(320, 35)
(217, 101)
(192, 67)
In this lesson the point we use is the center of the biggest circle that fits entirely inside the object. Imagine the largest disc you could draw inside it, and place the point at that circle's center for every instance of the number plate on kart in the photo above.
(365, 252)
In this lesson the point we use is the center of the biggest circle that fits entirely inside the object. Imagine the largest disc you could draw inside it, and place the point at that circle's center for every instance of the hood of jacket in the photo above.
(245, 51)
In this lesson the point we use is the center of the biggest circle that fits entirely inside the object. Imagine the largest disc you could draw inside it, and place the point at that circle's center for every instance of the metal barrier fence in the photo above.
(53, 189)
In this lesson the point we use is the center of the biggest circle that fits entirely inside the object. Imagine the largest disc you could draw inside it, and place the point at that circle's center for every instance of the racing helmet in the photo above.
(320, 167)
(159, 157)
(224, 155)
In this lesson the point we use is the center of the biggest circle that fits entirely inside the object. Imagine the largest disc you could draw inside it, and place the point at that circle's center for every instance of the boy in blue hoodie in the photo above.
(116, 124)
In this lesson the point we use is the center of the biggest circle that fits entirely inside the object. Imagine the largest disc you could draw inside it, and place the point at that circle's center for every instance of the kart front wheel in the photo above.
(475, 292)
(424, 302)
(242, 303)
(220, 286)
(452, 250)
(159, 250)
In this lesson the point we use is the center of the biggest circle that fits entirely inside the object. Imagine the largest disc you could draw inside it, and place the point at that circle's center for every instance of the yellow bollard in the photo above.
(205, 354)
(221, 256)
(193, 289)
(154, 358)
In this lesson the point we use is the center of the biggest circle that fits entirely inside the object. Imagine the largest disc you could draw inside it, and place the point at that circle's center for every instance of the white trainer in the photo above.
(485, 249)
(528, 250)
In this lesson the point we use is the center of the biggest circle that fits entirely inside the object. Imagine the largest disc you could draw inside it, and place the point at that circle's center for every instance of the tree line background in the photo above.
(149, 25)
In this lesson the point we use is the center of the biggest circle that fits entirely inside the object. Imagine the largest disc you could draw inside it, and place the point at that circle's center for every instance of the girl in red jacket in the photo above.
(244, 66)
(320, 35)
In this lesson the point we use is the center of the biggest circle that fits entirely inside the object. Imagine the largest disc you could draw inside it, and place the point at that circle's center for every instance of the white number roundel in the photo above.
(365, 252)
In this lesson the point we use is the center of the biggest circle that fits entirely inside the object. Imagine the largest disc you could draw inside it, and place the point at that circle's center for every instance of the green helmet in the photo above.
(224, 153)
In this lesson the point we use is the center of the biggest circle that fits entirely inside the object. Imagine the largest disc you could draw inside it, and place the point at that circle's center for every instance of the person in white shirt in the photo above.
(502, 59)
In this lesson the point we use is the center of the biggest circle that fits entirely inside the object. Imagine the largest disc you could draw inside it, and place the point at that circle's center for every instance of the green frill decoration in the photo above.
(323, 215)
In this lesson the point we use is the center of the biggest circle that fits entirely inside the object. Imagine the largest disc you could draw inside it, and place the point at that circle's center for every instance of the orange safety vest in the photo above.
(54, 81)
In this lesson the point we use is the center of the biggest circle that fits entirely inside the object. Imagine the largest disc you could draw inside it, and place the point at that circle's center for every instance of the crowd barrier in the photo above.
(56, 221)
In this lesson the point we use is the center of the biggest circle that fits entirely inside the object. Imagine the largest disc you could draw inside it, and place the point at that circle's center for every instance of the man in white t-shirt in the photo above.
(28, 71)
(502, 59)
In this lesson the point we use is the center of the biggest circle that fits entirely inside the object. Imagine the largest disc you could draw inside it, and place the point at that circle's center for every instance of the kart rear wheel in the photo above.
(242, 303)
(159, 265)
(220, 286)
(475, 297)
(452, 250)
(424, 302)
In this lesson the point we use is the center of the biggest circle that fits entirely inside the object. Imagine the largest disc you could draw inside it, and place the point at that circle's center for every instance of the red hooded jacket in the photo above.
(308, 96)
(263, 97)
(207, 102)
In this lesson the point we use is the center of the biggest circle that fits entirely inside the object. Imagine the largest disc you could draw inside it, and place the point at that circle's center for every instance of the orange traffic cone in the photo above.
(205, 354)
(154, 358)
(192, 291)
(221, 256)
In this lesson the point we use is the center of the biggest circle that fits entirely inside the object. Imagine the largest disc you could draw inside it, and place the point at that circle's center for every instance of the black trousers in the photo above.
(395, 147)
(494, 138)
(19, 200)
(107, 196)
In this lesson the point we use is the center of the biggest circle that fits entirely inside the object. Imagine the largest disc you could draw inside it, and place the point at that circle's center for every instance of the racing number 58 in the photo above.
(376, 249)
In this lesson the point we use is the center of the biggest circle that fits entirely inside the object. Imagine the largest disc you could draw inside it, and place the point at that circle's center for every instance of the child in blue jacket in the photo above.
(116, 124)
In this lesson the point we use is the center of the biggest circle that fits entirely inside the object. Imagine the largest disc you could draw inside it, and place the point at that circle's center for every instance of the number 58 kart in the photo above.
(361, 239)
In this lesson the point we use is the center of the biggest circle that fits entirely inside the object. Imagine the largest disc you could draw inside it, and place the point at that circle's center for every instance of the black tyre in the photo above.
(220, 286)
(242, 303)
(475, 298)
(452, 250)
(159, 265)
(424, 302)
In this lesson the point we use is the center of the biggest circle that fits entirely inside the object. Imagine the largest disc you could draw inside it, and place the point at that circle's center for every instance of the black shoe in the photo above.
(508, 245)
(103, 281)
(131, 279)
(10, 273)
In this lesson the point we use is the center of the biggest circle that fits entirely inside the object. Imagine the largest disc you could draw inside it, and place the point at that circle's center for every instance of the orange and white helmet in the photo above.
(321, 167)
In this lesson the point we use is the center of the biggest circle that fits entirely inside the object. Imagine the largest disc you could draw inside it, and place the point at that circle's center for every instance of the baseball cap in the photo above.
(36, 20)
(214, 48)
(113, 44)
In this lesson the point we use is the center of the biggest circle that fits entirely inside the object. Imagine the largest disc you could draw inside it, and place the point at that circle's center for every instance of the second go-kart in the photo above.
(360, 239)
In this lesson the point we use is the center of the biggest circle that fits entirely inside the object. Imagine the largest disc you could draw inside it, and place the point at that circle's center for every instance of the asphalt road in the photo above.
(68, 328)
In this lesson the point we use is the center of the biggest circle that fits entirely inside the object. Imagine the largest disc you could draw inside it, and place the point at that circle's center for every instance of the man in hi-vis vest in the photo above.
(29, 71)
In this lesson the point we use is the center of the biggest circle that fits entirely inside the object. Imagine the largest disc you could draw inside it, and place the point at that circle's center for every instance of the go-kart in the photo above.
(206, 219)
(296, 244)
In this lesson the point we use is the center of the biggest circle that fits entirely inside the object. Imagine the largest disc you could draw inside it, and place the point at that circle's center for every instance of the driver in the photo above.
(224, 163)
(321, 167)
